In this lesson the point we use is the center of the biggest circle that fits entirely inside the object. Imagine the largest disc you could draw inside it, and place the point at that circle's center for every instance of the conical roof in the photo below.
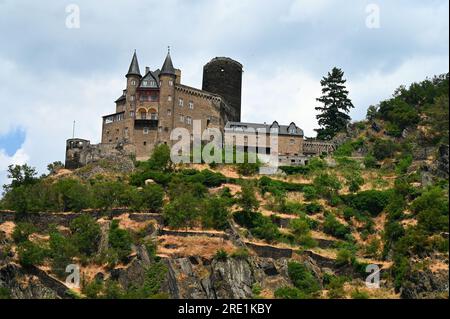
(167, 67)
(134, 67)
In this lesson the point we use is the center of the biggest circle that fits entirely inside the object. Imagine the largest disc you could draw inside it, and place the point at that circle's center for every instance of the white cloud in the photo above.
(19, 158)
(305, 10)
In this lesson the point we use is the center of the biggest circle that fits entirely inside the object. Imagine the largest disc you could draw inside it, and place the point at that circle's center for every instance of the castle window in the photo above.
(160, 129)
(182, 118)
(132, 114)
(292, 141)
(125, 133)
(145, 143)
(170, 83)
(133, 82)
(145, 131)
(169, 98)
(189, 120)
(144, 83)
(180, 102)
(169, 112)
(131, 97)
(153, 116)
(191, 105)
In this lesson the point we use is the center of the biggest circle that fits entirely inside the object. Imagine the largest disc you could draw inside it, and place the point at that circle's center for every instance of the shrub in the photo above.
(310, 193)
(302, 278)
(61, 252)
(221, 255)
(246, 198)
(153, 197)
(313, 208)
(31, 254)
(404, 164)
(290, 293)
(22, 231)
(333, 227)
(260, 226)
(371, 201)
(335, 287)
(293, 170)
(432, 210)
(183, 211)
(5, 293)
(344, 257)
(85, 234)
(119, 240)
(215, 214)
(93, 289)
(370, 161)
(383, 149)
(240, 253)
(358, 294)
(160, 158)
(109, 194)
(327, 185)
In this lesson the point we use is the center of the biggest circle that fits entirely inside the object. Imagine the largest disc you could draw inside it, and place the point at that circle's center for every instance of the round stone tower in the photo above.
(223, 76)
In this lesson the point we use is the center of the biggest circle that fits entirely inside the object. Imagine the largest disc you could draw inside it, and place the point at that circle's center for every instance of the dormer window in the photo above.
(293, 130)
(274, 128)
(144, 83)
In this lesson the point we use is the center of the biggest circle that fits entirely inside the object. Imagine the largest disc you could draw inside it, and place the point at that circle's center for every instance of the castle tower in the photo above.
(223, 76)
(133, 78)
(167, 79)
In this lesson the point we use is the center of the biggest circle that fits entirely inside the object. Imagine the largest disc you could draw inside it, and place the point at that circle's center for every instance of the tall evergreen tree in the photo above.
(333, 116)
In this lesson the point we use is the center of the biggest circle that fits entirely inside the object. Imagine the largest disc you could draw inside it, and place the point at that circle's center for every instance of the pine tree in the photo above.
(333, 116)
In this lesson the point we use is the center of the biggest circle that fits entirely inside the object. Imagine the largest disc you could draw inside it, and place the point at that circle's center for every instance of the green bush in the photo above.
(61, 252)
(31, 254)
(371, 201)
(5, 293)
(327, 185)
(383, 149)
(303, 279)
(295, 170)
(85, 234)
(313, 208)
(221, 255)
(22, 231)
(310, 193)
(240, 253)
(215, 213)
(290, 293)
(72, 195)
(333, 227)
(247, 199)
(432, 209)
(119, 240)
(345, 257)
(153, 197)
(370, 161)
(357, 294)
(183, 211)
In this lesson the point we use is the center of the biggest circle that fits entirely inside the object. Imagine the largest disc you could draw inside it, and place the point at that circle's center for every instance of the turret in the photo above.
(133, 78)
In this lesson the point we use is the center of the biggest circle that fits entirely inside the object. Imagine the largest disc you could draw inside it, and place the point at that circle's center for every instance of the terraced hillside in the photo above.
(158, 230)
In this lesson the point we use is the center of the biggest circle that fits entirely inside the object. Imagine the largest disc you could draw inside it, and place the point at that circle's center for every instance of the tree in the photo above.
(20, 175)
(86, 234)
(120, 240)
(54, 167)
(247, 199)
(160, 158)
(333, 116)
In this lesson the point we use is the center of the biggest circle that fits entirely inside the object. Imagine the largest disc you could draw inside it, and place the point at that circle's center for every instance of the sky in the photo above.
(64, 61)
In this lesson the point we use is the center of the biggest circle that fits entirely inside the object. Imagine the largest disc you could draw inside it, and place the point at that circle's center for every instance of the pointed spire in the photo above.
(167, 67)
(134, 66)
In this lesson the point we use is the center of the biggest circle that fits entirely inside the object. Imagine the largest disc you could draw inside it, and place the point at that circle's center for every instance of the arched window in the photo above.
(142, 114)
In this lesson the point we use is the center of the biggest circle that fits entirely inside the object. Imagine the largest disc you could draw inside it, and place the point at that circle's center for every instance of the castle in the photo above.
(153, 104)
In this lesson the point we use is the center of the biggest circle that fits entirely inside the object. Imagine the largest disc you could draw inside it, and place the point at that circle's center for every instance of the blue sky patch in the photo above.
(12, 141)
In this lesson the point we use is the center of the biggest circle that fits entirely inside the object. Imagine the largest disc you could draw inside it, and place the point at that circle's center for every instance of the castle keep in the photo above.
(156, 102)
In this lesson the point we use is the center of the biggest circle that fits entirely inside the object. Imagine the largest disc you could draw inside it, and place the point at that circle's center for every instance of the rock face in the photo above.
(22, 285)
(425, 284)
(443, 161)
